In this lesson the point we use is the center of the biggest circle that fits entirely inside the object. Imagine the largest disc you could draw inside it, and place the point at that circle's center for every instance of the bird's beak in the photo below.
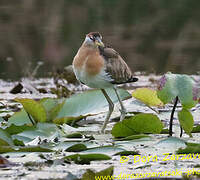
(98, 42)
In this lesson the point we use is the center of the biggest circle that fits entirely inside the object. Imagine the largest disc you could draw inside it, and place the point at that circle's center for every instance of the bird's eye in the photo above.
(92, 38)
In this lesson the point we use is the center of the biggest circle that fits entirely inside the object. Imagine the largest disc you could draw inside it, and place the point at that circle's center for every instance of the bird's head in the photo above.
(94, 39)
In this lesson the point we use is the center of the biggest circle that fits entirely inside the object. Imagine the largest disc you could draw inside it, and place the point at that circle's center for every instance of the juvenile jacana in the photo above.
(98, 66)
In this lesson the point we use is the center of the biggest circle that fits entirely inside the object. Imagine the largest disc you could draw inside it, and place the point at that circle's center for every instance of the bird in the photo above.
(100, 66)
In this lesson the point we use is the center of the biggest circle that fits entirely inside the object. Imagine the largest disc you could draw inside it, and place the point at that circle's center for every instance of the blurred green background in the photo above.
(151, 35)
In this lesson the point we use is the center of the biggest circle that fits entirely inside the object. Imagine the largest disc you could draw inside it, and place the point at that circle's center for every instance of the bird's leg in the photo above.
(111, 107)
(123, 109)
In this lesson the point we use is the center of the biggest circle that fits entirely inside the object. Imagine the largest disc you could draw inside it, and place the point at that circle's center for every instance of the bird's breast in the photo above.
(89, 61)
(89, 69)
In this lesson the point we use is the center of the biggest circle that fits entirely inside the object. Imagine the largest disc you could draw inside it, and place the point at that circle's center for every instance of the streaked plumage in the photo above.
(102, 67)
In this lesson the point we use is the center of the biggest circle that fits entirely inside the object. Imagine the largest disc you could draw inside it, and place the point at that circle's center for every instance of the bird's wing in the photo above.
(116, 67)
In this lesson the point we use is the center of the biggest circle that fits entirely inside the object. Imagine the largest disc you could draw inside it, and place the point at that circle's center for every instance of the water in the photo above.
(152, 36)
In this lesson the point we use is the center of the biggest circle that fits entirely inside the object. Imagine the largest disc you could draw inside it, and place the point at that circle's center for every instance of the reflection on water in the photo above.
(152, 36)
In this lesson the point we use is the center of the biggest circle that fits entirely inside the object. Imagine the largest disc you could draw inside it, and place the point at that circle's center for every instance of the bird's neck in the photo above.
(89, 46)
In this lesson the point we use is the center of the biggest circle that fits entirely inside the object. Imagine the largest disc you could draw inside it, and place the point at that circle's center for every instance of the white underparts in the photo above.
(101, 80)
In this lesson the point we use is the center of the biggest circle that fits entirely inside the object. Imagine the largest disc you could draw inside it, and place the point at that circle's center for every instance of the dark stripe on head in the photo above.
(95, 34)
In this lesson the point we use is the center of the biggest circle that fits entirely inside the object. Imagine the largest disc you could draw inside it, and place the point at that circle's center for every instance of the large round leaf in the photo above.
(35, 109)
(172, 85)
(138, 124)
(186, 120)
(86, 158)
(147, 96)
(5, 138)
(166, 90)
(87, 102)
(185, 86)
(52, 107)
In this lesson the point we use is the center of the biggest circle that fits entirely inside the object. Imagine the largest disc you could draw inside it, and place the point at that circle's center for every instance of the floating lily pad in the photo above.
(132, 137)
(89, 101)
(75, 135)
(18, 142)
(147, 96)
(186, 120)
(190, 149)
(52, 107)
(138, 124)
(34, 108)
(6, 149)
(5, 138)
(196, 129)
(164, 131)
(13, 129)
(68, 110)
(86, 158)
(127, 153)
(105, 149)
(19, 118)
(76, 148)
(69, 120)
(171, 144)
(47, 131)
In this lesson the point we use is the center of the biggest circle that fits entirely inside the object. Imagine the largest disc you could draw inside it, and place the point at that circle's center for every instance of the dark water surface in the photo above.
(152, 36)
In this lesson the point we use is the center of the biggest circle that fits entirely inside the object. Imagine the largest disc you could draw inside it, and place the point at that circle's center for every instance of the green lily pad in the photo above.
(52, 107)
(133, 137)
(89, 101)
(69, 110)
(105, 149)
(196, 129)
(5, 138)
(47, 131)
(147, 96)
(19, 118)
(6, 149)
(13, 129)
(86, 158)
(171, 142)
(138, 124)
(186, 120)
(34, 108)
(69, 120)
(76, 148)
(75, 135)
(190, 149)
(164, 131)
(127, 153)
(18, 142)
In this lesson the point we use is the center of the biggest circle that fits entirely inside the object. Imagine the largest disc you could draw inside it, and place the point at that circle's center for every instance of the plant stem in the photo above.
(172, 116)
(181, 131)
(32, 121)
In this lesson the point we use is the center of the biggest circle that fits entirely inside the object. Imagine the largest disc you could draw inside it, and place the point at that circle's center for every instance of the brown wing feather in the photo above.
(116, 67)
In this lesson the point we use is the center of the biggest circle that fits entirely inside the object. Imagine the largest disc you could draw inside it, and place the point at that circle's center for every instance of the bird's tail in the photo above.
(132, 79)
